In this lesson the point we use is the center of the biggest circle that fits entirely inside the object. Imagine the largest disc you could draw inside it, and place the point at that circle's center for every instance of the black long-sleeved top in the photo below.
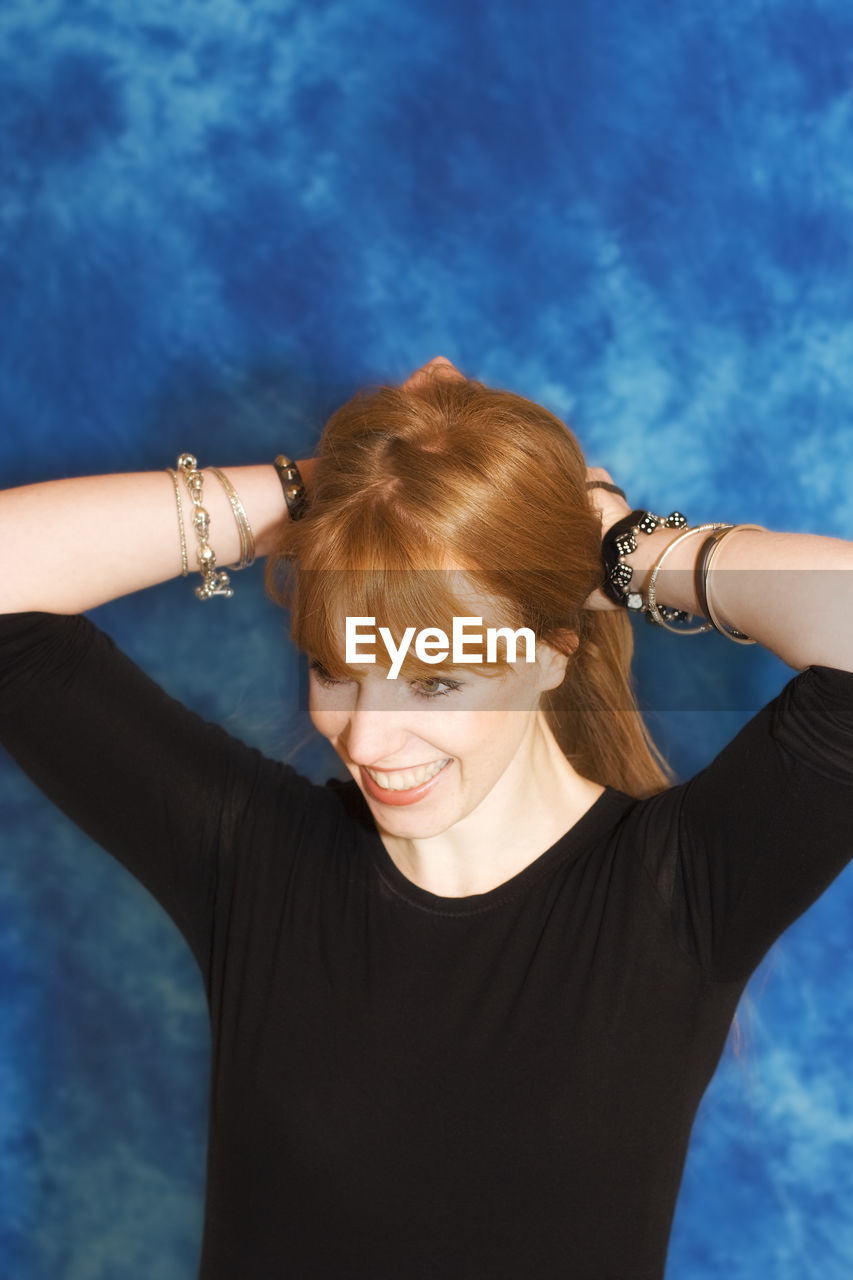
(412, 1087)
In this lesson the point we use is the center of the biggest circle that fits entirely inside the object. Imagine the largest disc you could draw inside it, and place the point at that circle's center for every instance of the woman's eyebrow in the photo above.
(416, 670)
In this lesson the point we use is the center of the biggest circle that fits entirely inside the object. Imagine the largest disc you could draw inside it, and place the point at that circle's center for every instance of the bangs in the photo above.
(322, 599)
(374, 560)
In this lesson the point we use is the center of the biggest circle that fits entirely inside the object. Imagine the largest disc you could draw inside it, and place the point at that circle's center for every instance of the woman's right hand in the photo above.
(438, 367)
(611, 508)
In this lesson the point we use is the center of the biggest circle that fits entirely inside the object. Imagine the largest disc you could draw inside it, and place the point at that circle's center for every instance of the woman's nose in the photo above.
(374, 734)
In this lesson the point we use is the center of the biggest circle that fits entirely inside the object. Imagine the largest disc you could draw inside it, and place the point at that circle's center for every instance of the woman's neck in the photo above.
(538, 798)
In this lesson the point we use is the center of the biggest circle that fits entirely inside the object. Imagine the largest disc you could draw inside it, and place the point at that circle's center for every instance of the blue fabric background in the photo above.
(218, 220)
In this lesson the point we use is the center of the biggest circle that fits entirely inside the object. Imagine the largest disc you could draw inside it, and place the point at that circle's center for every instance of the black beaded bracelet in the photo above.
(620, 540)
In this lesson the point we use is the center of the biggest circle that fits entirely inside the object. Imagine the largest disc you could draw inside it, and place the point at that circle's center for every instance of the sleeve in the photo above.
(744, 847)
(156, 786)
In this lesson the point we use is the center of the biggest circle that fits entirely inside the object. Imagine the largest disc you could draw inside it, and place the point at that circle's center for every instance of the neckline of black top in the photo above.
(596, 821)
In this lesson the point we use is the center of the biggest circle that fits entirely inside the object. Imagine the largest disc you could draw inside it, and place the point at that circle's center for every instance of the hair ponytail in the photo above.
(594, 714)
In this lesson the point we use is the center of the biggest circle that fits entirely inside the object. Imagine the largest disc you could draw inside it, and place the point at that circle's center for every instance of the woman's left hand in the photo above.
(612, 508)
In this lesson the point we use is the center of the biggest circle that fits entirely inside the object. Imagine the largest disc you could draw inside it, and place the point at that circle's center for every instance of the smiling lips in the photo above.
(402, 786)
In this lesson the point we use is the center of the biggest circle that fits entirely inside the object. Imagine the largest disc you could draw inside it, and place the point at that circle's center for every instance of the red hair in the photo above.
(408, 484)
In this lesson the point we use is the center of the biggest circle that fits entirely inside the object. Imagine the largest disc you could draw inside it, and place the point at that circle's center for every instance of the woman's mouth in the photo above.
(403, 786)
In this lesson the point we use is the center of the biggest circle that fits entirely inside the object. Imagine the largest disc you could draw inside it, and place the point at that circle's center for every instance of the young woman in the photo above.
(463, 1006)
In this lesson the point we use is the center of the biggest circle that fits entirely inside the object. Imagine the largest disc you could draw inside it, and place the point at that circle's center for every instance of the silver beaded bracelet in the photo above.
(214, 582)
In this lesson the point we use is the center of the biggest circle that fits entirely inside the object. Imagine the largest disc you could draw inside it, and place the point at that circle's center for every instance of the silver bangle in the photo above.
(247, 538)
(182, 533)
(214, 582)
(654, 611)
(731, 633)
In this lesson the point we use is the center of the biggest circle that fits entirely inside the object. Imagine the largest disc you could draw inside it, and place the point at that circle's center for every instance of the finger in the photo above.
(599, 602)
(439, 366)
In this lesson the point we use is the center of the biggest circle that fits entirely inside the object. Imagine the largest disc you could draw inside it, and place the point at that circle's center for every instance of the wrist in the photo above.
(635, 574)
(674, 584)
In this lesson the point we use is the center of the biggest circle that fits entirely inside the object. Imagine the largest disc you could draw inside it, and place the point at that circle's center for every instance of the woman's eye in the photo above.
(429, 687)
(322, 674)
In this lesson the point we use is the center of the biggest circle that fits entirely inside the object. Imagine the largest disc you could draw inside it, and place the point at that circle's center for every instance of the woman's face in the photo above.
(425, 753)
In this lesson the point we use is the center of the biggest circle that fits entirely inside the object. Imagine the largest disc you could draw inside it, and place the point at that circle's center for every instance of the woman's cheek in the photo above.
(327, 719)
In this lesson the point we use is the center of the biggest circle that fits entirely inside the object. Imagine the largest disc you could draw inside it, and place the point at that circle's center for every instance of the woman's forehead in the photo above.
(392, 590)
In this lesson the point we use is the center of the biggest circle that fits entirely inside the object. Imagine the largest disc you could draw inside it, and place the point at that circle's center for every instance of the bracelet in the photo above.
(700, 569)
(247, 538)
(292, 485)
(731, 633)
(654, 611)
(182, 534)
(214, 582)
(620, 541)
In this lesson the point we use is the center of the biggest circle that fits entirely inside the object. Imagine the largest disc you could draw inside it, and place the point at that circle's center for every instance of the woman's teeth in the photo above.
(403, 781)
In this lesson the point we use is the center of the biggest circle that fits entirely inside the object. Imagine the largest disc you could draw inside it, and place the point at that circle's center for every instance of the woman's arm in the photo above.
(69, 545)
(790, 592)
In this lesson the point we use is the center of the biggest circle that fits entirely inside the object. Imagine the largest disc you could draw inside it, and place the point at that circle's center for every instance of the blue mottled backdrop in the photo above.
(219, 219)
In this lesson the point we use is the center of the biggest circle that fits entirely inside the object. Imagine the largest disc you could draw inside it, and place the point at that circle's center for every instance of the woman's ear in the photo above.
(553, 661)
